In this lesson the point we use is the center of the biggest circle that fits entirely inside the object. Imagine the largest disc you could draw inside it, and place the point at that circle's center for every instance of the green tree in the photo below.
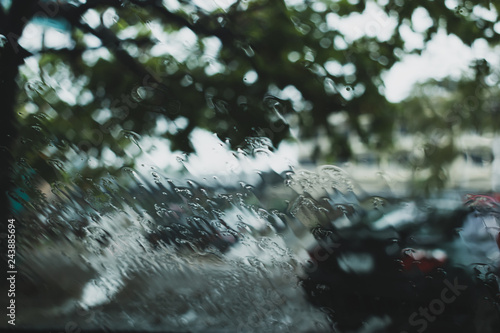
(122, 84)
(441, 111)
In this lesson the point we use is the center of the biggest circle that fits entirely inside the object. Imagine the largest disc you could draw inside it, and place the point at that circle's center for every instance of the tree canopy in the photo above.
(248, 69)
(87, 86)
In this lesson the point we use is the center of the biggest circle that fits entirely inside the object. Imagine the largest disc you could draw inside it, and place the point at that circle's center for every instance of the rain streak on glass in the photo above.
(251, 166)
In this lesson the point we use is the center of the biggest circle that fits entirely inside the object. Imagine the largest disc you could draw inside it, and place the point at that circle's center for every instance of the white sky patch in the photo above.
(213, 67)
(292, 3)
(92, 18)
(225, 165)
(66, 96)
(211, 5)
(172, 5)
(91, 56)
(156, 151)
(486, 14)
(420, 19)
(451, 4)
(128, 32)
(31, 67)
(333, 68)
(161, 126)
(250, 77)
(373, 22)
(110, 17)
(57, 39)
(289, 93)
(340, 43)
(35, 36)
(178, 44)
(66, 90)
(212, 48)
(91, 41)
(413, 40)
(109, 158)
(31, 39)
(213, 157)
(93, 295)
(445, 55)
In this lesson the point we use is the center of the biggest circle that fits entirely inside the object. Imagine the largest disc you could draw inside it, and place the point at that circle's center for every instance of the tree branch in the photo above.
(112, 42)
(3, 19)
(77, 51)
(72, 12)
(73, 15)
(225, 35)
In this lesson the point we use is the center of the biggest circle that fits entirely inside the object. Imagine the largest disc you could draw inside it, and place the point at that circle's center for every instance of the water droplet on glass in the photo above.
(132, 136)
(3, 40)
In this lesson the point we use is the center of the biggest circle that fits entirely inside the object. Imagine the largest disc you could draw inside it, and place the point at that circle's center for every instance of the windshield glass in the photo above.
(250, 165)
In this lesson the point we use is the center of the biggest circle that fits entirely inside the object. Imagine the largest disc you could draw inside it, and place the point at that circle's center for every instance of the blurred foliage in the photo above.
(439, 112)
(256, 68)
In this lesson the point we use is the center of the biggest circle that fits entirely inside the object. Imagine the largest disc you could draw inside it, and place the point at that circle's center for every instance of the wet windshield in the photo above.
(250, 166)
